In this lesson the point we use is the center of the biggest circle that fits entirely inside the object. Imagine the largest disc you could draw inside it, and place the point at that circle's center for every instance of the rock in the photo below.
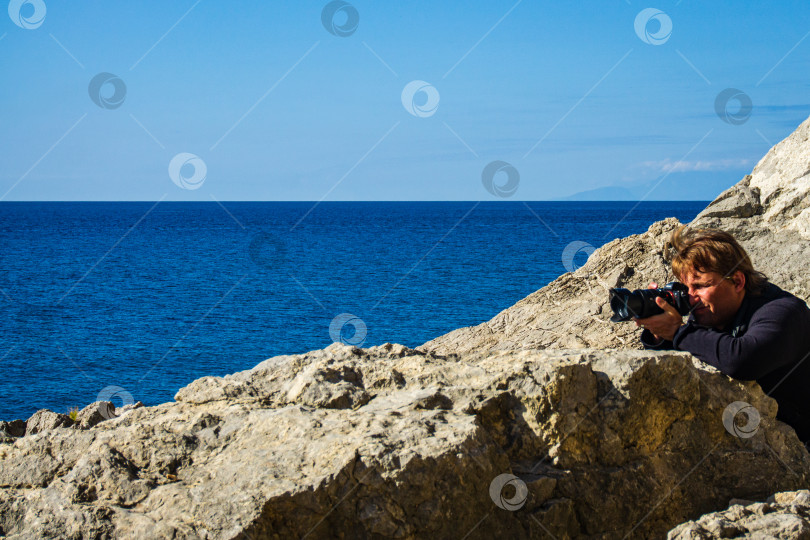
(13, 429)
(44, 419)
(787, 515)
(606, 444)
(741, 201)
(95, 413)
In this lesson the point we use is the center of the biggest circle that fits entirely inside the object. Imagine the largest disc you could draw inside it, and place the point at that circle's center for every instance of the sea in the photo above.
(131, 301)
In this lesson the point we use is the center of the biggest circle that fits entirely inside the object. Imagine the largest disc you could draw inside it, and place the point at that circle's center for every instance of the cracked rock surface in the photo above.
(394, 442)
(783, 515)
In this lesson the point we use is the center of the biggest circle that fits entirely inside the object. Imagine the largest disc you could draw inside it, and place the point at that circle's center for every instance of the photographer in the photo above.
(740, 323)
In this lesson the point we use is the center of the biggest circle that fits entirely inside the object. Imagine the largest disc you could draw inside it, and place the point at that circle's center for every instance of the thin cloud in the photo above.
(669, 166)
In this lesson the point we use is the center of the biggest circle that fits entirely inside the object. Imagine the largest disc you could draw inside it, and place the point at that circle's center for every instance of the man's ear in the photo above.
(739, 280)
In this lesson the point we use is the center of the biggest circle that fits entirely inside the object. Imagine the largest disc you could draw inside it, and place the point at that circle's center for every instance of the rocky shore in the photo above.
(546, 421)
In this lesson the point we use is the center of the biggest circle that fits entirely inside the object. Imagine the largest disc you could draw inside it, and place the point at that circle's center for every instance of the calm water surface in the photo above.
(142, 298)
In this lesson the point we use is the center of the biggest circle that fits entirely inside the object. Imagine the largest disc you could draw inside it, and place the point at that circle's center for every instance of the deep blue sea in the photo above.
(135, 300)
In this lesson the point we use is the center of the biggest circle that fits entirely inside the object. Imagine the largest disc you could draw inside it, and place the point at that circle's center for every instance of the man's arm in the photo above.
(777, 334)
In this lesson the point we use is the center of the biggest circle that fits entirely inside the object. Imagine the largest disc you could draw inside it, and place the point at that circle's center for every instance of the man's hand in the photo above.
(664, 325)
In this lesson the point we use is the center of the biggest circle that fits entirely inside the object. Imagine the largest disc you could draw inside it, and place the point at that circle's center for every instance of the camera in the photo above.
(640, 303)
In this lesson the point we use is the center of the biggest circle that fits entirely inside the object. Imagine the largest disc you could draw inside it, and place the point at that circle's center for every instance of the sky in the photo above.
(194, 100)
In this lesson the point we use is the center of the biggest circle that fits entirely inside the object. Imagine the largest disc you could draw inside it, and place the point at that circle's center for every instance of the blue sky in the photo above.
(278, 108)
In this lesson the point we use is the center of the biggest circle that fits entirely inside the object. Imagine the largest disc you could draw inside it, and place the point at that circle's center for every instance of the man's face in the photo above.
(715, 300)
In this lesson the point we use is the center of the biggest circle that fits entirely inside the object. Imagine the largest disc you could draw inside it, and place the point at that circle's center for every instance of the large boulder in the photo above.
(394, 442)
(11, 430)
(45, 419)
(95, 413)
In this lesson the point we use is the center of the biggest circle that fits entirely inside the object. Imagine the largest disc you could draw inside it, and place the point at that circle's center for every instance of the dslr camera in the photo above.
(640, 303)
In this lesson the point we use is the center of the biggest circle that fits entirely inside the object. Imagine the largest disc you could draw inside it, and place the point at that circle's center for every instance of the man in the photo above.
(740, 323)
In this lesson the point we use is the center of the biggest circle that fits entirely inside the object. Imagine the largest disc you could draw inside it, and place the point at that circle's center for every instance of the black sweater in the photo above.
(768, 341)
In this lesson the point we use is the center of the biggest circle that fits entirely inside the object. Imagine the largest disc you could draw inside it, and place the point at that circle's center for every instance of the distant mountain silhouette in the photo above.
(680, 186)
(609, 193)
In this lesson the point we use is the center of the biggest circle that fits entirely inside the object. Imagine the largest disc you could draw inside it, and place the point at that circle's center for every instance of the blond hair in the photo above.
(713, 250)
